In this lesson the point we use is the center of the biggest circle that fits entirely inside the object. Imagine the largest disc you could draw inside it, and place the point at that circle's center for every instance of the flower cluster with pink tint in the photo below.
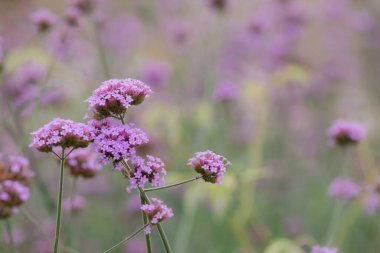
(15, 168)
(74, 204)
(43, 19)
(152, 170)
(226, 91)
(344, 132)
(12, 195)
(343, 189)
(115, 96)
(115, 141)
(83, 163)
(61, 133)
(210, 165)
(156, 212)
(321, 249)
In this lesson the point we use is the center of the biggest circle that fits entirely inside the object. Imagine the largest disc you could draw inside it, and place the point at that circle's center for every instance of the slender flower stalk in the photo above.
(126, 239)
(59, 205)
(172, 185)
(10, 236)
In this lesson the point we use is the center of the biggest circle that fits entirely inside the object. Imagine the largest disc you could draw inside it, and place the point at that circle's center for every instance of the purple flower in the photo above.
(72, 16)
(152, 170)
(13, 193)
(156, 212)
(344, 189)
(156, 73)
(371, 203)
(115, 141)
(115, 96)
(321, 249)
(83, 163)
(74, 204)
(344, 132)
(15, 168)
(43, 19)
(210, 165)
(61, 133)
(226, 91)
(82, 5)
(218, 5)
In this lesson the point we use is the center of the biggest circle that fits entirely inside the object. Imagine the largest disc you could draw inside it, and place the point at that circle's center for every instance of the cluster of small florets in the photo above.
(15, 168)
(74, 205)
(117, 141)
(156, 212)
(210, 165)
(151, 171)
(343, 189)
(344, 132)
(61, 133)
(83, 163)
(43, 19)
(115, 96)
(320, 249)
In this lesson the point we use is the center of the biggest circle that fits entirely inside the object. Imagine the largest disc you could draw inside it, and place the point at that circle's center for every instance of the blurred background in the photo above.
(259, 82)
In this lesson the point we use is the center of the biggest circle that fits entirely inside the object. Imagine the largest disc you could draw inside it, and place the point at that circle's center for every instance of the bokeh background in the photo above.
(259, 82)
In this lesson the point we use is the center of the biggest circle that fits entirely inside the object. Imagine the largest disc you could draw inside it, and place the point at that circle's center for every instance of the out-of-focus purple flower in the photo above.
(343, 189)
(116, 141)
(371, 203)
(156, 212)
(18, 237)
(53, 97)
(363, 21)
(115, 96)
(72, 16)
(61, 133)
(321, 249)
(226, 91)
(218, 5)
(43, 19)
(210, 165)
(74, 204)
(344, 132)
(133, 204)
(83, 163)
(156, 73)
(178, 32)
(13, 193)
(15, 168)
(152, 170)
(82, 5)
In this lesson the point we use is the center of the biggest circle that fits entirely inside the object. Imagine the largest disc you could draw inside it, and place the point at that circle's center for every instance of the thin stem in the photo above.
(334, 223)
(59, 207)
(126, 239)
(10, 236)
(172, 185)
(145, 221)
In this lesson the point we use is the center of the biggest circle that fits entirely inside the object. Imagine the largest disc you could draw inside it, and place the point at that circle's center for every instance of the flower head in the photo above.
(83, 163)
(15, 168)
(156, 212)
(115, 141)
(61, 133)
(156, 73)
(43, 19)
(152, 170)
(13, 193)
(74, 204)
(320, 249)
(344, 189)
(115, 96)
(344, 132)
(210, 165)
(226, 92)
(371, 203)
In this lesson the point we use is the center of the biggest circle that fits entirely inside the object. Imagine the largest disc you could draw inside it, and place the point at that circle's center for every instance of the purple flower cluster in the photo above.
(115, 96)
(115, 141)
(74, 204)
(210, 165)
(226, 91)
(156, 212)
(61, 133)
(151, 171)
(343, 189)
(15, 168)
(12, 195)
(43, 19)
(344, 132)
(83, 163)
(321, 249)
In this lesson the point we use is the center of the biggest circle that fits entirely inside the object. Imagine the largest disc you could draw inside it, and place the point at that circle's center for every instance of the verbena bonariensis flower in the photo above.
(343, 189)
(210, 165)
(15, 168)
(321, 249)
(156, 212)
(61, 133)
(74, 204)
(226, 91)
(43, 19)
(344, 132)
(83, 163)
(12, 195)
(156, 73)
(371, 203)
(115, 96)
(115, 141)
(152, 170)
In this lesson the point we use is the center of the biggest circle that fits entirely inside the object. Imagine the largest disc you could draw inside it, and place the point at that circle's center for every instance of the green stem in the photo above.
(334, 223)
(145, 221)
(59, 206)
(10, 235)
(125, 239)
(172, 185)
